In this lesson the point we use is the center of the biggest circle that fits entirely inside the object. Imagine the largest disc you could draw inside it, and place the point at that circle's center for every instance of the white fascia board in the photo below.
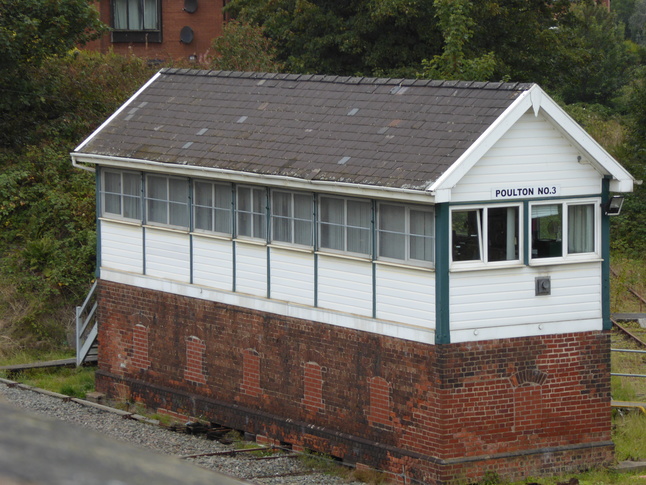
(116, 113)
(449, 179)
(598, 157)
(278, 181)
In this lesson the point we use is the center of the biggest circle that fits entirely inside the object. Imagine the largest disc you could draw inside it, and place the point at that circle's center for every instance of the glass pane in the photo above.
(502, 233)
(359, 214)
(203, 219)
(332, 210)
(134, 15)
(547, 230)
(281, 229)
(303, 232)
(150, 15)
(282, 204)
(132, 184)
(259, 202)
(178, 190)
(157, 193)
(112, 204)
(580, 229)
(157, 211)
(112, 182)
(120, 14)
(260, 226)
(303, 206)
(244, 199)
(466, 231)
(332, 223)
(359, 240)
(132, 207)
(422, 230)
(223, 221)
(392, 227)
(422, 248)
(203, 194)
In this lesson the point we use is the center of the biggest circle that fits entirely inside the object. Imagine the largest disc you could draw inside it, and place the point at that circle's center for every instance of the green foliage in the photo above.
(31, 33)
(456, 25)
(361, 37)
(592, 59)
(244, 47)
(47, 207)
(629, 436)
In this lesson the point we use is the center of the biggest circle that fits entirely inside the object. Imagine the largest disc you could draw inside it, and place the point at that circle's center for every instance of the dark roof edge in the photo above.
(509, 86)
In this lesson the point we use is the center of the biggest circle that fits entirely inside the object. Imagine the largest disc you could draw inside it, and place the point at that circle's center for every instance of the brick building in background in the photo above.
(408, 275)
(160, 29)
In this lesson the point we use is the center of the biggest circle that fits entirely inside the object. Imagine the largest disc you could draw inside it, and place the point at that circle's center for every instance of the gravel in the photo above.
(284, 470)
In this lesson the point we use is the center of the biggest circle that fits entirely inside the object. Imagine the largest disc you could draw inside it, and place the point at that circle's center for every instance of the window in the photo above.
(487, 234)
(345, 224)
(292, 218)
(406, 233)
(552, 224)
(136, 21)
(167, 200)
(251, 212)
(122, 194)
(212, 207)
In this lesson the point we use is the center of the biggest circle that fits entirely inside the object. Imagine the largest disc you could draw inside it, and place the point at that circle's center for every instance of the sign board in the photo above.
(525, 191)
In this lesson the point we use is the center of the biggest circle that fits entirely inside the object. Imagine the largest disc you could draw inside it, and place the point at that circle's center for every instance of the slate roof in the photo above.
(382, 132)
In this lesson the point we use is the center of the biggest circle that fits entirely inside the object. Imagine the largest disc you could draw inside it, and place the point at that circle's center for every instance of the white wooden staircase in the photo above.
(87, 328)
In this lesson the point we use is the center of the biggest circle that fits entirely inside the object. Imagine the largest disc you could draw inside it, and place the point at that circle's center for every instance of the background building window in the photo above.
(345, 224)
(212, 207)
(292, 218)
(406, 233)
(251, 212)
(122, 194)
(136, 21)
(167, 200)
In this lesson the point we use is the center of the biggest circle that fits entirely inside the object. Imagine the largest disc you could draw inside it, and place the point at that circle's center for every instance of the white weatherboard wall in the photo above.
(122, 246)
(292, 276)
(251, 268)
(213, 262)
(532, 153)
(168, 254)
(502, 303)
(406, 294)
(345, 285)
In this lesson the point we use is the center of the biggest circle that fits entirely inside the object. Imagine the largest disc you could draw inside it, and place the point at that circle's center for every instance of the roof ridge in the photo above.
(330, 78)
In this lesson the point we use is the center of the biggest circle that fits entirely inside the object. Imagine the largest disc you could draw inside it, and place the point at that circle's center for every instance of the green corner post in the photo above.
(442, 231)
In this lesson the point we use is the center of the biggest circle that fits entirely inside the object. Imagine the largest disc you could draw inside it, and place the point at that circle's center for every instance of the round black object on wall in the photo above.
(186, 35)
(190, 6)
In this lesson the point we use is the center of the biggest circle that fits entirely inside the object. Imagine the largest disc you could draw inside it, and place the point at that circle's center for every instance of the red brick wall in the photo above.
(206, 22)
(517, 407)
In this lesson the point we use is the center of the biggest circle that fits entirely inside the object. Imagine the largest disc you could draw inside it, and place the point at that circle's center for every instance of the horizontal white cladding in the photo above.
(213, 262)
(345, 285)
(405, 294)
(533, 153)
(292, 276)
(122, 246)
(305, 312)
(167, 254)
(507, 298)
(251, 268)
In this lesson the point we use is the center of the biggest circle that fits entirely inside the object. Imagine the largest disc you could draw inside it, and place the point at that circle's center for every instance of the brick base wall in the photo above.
(516, 407)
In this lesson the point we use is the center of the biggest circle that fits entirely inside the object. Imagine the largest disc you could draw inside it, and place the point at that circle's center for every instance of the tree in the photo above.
(244, 47)
(593, 61)
(353, 37)
(453, 63)
(32, 31)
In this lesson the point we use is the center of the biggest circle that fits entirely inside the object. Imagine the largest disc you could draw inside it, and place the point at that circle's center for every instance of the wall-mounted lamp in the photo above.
(613, 206)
